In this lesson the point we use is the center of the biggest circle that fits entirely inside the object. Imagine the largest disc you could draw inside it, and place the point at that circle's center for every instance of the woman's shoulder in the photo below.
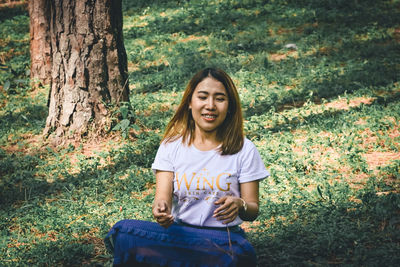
(248, 145)
(172, 144)
(172, 141)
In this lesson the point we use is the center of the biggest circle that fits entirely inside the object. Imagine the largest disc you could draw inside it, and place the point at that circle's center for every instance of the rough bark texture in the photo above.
(89, 65)
(39, 13)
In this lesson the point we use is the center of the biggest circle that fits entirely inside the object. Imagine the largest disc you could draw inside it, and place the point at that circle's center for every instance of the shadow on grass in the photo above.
(28, 191)
(337, 232)
(351, 14)
(10, 10)
(329, 119)
(22, 180)
(349, 66)
(60, 253)
(31, 116)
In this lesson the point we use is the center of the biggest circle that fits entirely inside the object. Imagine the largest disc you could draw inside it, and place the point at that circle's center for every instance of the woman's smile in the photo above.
(209, 117)
(209, 105)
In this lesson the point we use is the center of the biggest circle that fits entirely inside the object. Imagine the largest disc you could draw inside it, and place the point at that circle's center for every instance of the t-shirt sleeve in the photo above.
(162, 161)
(252, 166)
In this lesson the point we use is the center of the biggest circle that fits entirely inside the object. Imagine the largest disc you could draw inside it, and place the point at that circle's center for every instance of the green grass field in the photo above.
(319, 84)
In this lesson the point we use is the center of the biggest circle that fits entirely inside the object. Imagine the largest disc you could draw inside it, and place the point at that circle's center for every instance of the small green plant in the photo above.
(126, 120)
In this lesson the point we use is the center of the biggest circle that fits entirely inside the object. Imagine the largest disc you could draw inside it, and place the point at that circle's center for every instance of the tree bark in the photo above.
(89, 65)
(39, 13)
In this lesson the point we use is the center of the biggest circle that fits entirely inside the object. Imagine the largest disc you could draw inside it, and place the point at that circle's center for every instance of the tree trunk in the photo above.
(39, 13)
(89, 66)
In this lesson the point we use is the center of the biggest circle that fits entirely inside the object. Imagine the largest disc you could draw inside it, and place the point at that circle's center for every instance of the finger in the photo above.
(221, 210)
(218, 210)
(229, 218)
(166, 221)
(161, 218)
(220, 201)
(164, 218)
(226, 213)
(157, 213)
(162, 206)
(160, 209)
(228, 209)
(227, 205)
(157, 210)
(224, 206)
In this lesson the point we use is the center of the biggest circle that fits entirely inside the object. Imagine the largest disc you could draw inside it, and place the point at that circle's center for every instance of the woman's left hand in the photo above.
(228, 209)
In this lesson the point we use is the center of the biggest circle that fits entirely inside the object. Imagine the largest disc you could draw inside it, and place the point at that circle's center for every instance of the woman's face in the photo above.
(209, 105)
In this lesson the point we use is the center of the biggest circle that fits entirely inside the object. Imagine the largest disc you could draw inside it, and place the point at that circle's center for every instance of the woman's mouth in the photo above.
(209, 117)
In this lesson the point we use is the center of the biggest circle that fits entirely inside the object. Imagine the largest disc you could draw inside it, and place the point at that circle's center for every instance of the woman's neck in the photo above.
(205, 141)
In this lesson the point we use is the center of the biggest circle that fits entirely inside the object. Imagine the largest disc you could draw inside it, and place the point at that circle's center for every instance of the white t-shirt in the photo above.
(202, 177)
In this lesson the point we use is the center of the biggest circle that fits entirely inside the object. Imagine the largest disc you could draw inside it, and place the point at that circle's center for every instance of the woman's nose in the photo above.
(210, 103)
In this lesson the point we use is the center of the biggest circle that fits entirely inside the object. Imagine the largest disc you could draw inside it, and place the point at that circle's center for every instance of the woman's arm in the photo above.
(231, 207)
(249, 193)
(162, 204)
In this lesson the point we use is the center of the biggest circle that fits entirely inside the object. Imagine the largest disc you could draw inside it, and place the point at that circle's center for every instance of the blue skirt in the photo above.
(133, 241)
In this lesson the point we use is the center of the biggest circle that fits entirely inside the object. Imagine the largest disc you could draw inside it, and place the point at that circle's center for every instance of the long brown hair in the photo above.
(230, 132)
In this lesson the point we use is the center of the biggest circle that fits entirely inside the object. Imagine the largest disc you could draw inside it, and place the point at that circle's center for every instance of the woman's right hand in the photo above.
(162, 213)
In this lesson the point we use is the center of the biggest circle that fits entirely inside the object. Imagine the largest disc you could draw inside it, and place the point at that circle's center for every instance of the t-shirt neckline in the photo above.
(213, 150)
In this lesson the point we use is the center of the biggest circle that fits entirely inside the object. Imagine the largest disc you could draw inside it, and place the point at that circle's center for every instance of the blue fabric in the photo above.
(178, 245)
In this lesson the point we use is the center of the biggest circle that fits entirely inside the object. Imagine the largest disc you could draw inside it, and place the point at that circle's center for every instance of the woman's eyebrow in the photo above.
(223, 94)
(207, 93)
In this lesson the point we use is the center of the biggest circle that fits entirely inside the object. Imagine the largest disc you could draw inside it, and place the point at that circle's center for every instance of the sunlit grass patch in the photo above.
(318, 169)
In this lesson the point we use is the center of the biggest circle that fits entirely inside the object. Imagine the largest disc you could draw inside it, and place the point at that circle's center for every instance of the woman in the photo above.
(207, 180)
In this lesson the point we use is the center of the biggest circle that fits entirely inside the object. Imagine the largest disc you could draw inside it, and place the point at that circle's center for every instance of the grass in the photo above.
(324, 115)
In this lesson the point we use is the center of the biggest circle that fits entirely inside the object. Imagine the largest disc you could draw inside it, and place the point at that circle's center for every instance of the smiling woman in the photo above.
(209, 106)
(214, 85)
(207, 180)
